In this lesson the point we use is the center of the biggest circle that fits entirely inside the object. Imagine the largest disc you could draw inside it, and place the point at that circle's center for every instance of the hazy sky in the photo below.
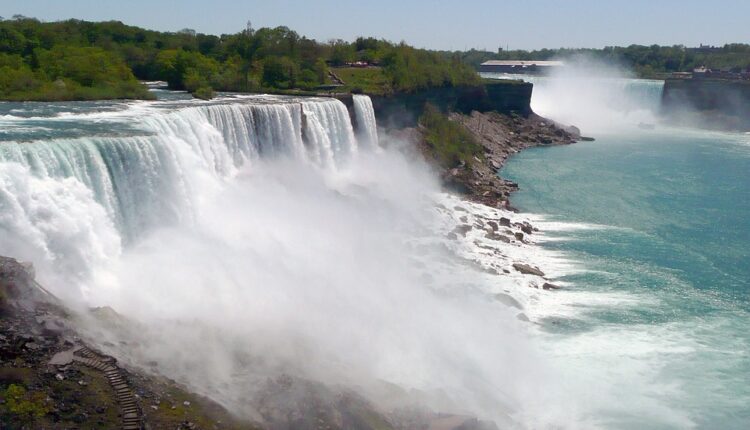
(456, 24)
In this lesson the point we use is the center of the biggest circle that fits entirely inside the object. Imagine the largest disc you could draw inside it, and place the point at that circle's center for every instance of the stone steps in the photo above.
(131, 413)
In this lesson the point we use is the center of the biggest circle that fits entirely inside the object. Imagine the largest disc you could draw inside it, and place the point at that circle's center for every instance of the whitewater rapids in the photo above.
(252, 237)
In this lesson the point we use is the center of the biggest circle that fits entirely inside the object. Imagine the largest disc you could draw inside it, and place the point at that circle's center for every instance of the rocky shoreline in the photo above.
(500, 136)
(53, 376)
(50, 377)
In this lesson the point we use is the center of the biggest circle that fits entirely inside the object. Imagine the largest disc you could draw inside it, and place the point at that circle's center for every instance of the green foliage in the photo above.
(187, 70)
(38, 65)
(341, 53)
(87, 66)
(370, 80)
(413, 69)
(21, 406)
(280, 72)
(645, 61)
(451, 143)
(79, 59)
(205, 93)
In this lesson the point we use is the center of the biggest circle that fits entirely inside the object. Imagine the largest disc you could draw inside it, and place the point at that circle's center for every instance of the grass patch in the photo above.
(451, 143)
(22, 406)
(368, 80)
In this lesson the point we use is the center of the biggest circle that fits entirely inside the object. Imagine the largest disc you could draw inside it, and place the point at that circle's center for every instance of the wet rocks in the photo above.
(495, 236)
(462, 230)
(508, 300)
(549, 286)
(527, 270)
(525, 227)
(500, 136)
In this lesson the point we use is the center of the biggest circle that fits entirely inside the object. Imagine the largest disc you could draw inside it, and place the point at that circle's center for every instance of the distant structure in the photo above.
(704, 72)
(520, 67)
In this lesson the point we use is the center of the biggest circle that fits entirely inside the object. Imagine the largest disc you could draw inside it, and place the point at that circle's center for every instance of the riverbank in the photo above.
(500, 136)
(494, 246)
(52, 377)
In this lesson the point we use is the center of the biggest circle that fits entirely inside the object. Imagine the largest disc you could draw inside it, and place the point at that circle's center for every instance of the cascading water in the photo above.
(594, 98)
(248, 238)
(655, 219)
(365, 115)
(140, 178)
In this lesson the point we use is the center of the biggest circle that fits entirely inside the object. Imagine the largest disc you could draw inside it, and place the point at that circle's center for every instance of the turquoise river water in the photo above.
(656, 223)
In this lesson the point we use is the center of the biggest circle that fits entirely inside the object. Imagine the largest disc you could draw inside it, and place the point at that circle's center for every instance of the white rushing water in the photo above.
(253, 237)
(142, 181)
(365, 115)
(649, 222)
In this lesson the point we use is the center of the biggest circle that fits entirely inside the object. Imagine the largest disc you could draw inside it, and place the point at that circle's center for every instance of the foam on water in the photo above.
(267, 232)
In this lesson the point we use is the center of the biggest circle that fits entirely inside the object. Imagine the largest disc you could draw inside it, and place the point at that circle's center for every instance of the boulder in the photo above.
(508, 300)
(549, 286)
(527, 270)
(462, 229)
(494, 236)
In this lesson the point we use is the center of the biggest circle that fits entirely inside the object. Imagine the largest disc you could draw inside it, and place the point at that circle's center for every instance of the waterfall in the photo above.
(254, 237)
(365, 114)
(596, 98)
(149, 177)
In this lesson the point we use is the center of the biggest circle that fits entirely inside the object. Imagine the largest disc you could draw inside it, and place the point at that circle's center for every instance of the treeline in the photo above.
(78, 60)
(646, 61)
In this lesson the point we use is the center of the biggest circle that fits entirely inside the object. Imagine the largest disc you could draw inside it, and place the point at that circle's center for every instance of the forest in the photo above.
(79, 60)
(645, 61)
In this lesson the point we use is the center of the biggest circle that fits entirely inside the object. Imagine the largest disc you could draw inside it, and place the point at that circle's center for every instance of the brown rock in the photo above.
(495, 236)
(527, 270)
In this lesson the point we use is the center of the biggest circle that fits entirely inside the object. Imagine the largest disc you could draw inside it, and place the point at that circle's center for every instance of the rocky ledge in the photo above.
(500, 136)
(51, 378)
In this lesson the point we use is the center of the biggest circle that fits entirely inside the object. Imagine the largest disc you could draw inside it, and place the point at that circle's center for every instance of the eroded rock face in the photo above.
(500, 136)
(15, 278)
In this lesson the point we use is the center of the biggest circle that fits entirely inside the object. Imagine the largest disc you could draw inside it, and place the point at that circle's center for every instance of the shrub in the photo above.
(23, 406)
(204, 93)
(450, 142)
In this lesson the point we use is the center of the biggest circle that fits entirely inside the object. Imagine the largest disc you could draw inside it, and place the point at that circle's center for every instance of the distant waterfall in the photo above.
(595, 104)
(149, 177)
(365, 114)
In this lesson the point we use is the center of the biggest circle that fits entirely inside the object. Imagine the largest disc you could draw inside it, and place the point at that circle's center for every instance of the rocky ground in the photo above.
(500, 136)
(50, 378)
